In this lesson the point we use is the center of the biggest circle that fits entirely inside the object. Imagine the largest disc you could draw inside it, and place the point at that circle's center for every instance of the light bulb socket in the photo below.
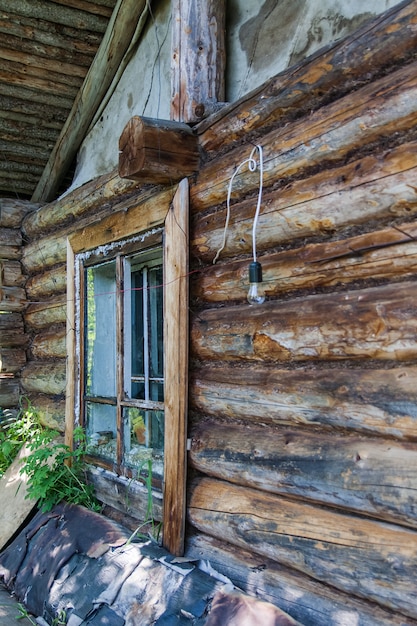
(255, 272)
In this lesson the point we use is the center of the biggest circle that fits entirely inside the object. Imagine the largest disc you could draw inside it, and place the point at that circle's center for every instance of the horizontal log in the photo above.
(10, 252)
(13, 338)
(157, 151)
(106, 189)
(375, 323)
(361, 57)
(383, 109)
(50, 411)
(12, 360)
(12, 299)
(370, 401)
(51, 282)
(390, 253)
(123, 494)
(48, 378)
(50, 344)
(9, 392)
(358, 556)
(374, 187)
(12, 211)
(369, 476)
(11, 273)
(130, 217)
(10, 321)
(10, 237)
(43, 314)
(300, 596)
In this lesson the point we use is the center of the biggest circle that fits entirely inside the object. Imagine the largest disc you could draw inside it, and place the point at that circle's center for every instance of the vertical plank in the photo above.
(176, 368)
(198, 57)
(71, 360)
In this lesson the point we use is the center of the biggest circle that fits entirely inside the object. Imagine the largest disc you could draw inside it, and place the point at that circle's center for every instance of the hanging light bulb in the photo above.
(256, 293)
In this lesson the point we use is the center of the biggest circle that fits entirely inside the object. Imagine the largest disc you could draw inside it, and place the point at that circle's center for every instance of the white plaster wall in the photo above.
(264, 37)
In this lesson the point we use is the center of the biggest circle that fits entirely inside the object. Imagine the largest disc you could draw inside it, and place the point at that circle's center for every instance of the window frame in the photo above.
(168, 209)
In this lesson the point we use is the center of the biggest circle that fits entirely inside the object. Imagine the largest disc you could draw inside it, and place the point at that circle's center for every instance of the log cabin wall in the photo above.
(303, 459)
(303, 410)
(13, 339)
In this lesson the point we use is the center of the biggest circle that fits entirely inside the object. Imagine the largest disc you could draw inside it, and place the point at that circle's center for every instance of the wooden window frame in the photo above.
(168, 209)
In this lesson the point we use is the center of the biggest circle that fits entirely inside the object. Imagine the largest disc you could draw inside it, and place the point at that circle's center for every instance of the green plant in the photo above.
(60, 619)
(17, 430)
(23, 614)
(56, 473)
(149, 522)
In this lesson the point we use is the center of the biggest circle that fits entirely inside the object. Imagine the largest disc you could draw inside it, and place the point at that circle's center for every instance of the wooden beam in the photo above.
(176, 369)
(128, 17)
(157, 151)
(198, 57)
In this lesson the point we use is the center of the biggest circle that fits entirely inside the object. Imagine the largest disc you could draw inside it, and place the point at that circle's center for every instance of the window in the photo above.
(122, 350)
(128, 345)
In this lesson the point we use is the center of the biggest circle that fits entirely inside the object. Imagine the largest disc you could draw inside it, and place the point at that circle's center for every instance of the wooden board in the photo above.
(14, 507)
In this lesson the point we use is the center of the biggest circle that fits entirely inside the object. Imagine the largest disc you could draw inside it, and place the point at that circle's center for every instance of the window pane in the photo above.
(101, 430)
(100, 324)
(155, 317)
(146, 339)
(144, 439)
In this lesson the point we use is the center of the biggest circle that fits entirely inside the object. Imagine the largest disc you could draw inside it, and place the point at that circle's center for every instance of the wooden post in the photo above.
(198, 57)
(157, 151)
(176, 369)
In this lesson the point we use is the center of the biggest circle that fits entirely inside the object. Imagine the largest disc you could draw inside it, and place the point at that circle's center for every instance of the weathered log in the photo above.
(107, 189)
(10, 243)
(329, 135)
(46, 378)
(375, 187)
(125, 495)
(390, 253)
(50, 344)
(12, 299)
(12, 360)
(157, 151)
(51, 411)
(301, 597)
(43, 314)
(12, 211)
(10, 321)
(372, 401)
(198, 57)
(9, 392)
(320, 543)
(375, 323)
(13, 337)
(11, 273)
(361, 57)
(133, 216)
(372, 477)
(51, 282)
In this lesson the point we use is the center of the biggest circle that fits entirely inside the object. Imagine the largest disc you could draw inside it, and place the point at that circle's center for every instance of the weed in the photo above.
(155, 527)
(55, 472)
(23, 614)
